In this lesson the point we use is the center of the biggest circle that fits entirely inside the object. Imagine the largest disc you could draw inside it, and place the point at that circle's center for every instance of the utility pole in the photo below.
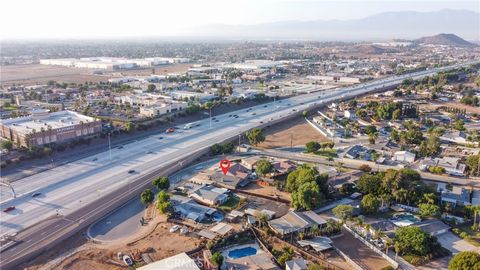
(239, 137)
(210, 117)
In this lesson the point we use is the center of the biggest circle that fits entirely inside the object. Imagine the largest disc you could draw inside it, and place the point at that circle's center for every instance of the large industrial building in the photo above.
(112, 63)
(43, 127)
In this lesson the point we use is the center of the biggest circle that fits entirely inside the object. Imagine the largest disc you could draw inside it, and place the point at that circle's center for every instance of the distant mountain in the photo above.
(382, 26)
(445, 39)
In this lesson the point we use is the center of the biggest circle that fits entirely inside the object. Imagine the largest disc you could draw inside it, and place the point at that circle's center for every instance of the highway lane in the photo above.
(75, 185)
(68, 187)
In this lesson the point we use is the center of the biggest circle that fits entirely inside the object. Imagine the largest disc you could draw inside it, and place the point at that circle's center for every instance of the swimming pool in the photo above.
(404, 219)
(242, 252)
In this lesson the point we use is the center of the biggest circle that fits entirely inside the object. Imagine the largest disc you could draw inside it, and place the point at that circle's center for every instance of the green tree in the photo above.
(397, 114)
(217, 258)
(428, 210)
(147, 197)
(370, 184)
(412, 240)
(216, 149)
(129, 127)
(370, 204)
(255, 136)
(465, 260)
(314, 266)
(312, 147)
(430, 147)
(6, 144)
(305, 114)
(369, 130)
(459, 125)
(343, 211)
(163, 196)
(394, 135)
(161, 182)
(285, 255)
(151, 88)
(263, 167)
(164, 207)
(307, 196)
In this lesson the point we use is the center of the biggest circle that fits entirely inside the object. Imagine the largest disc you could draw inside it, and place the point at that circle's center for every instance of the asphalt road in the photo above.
(81, 190)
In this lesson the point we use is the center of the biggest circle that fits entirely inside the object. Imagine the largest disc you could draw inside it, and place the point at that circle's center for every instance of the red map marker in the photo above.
(225, 165)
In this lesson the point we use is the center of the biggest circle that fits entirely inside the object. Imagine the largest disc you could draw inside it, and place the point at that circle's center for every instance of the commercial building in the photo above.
(43, 127)
(112, 63)
(162, 108)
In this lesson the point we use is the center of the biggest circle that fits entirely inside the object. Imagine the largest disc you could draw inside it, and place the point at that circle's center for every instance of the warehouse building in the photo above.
(43, 127)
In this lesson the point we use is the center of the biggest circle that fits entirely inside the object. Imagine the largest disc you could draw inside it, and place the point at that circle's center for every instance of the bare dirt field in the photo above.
(469, 109)
(358, 252)
(296, 132)
(33, 74)
(159, 244)
(41, 74)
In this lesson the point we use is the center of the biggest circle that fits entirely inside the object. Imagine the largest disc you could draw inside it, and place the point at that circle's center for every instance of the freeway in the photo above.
(76, 189)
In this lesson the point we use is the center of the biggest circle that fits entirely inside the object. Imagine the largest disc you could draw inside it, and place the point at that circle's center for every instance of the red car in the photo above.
(170, 130)
(8, 209)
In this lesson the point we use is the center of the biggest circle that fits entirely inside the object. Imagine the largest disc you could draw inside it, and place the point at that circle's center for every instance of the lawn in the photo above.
(232, 203)
(9, 108)
(474, 237)
(327, 153)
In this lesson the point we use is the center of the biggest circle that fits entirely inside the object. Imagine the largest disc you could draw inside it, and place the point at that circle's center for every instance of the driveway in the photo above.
(455, 244)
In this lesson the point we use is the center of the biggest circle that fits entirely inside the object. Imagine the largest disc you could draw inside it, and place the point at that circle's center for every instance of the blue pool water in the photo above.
(242, 252)
(217, 216)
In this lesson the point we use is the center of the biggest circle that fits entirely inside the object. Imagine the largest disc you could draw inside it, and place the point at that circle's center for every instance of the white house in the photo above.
(404, 156)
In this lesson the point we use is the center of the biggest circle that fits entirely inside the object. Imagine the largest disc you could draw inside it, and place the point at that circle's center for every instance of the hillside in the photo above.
(445, 39)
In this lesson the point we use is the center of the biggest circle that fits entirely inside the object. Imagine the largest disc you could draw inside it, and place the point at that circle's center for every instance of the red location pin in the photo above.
(225, 165)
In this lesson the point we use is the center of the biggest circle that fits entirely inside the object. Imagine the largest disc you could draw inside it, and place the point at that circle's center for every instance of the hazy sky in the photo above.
(120, 18)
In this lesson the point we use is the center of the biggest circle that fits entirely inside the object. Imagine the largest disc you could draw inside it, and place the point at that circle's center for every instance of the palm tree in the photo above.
(262, 219)
(388, 244)
(314, 230)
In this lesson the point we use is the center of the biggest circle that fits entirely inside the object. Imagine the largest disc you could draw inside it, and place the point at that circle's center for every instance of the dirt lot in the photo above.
(296, 132)
(267, 191)
(358, 252)
(469, 109)
(40, 74)
(159, 244)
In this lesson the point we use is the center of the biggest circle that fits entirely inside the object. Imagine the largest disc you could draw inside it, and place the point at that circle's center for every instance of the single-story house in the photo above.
(210, 195)
(452, 165)
(259, 261)
(458, 195)
(283, 167)
(250, 162)
(404, 156)
(433, 227)
(358, 151)
(458, 137)
(177, 262)
(189, 209)
(296, 264)
(319, 243)
(294, 222)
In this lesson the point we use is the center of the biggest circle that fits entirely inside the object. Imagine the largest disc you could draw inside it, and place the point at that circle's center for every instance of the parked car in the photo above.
(174, 228)
(184, 230)
(36, 194)
(127, 260)
(8, 209)
(131, 171)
